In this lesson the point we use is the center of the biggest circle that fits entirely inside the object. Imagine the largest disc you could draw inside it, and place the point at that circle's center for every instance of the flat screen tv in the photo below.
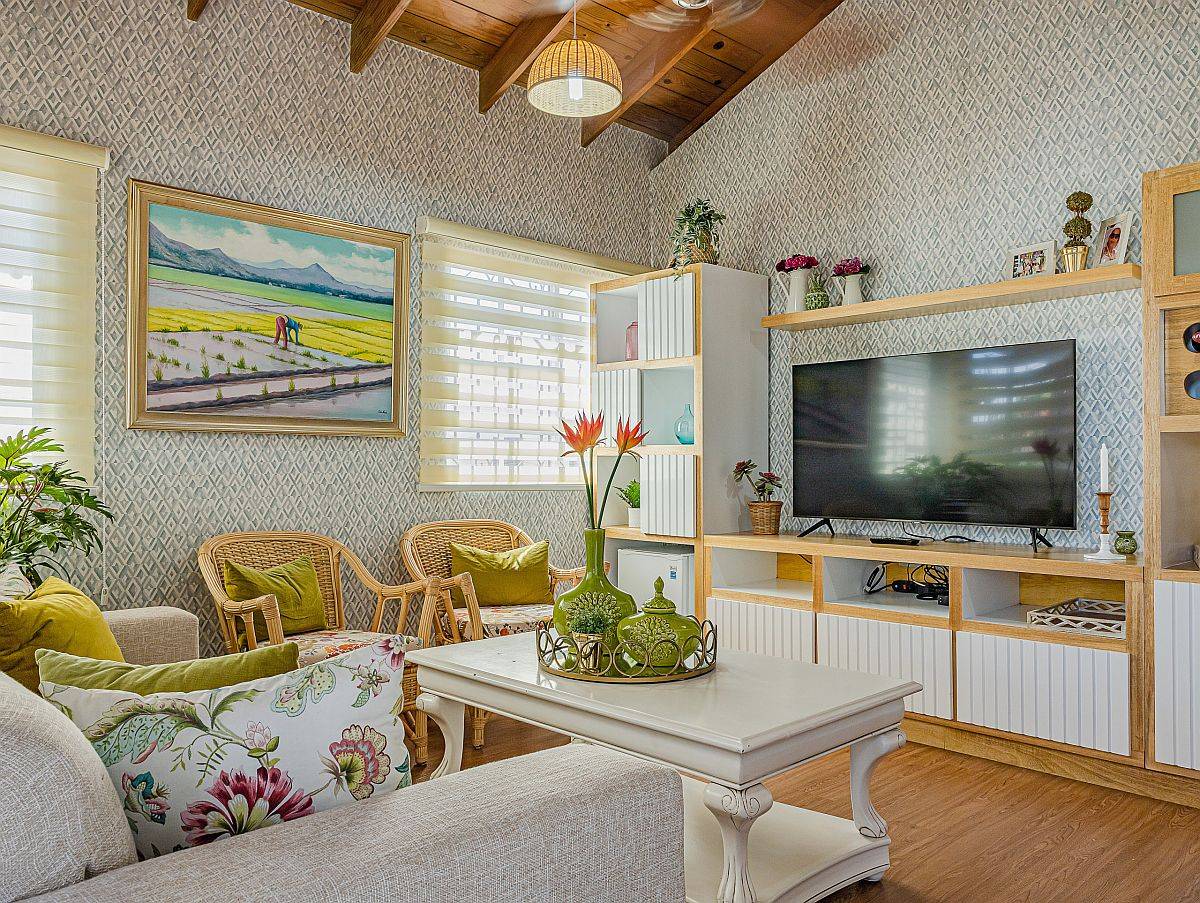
(983, 436)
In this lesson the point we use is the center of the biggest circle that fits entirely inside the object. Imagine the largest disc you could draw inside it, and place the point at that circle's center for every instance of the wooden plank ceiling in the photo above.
(675, 79)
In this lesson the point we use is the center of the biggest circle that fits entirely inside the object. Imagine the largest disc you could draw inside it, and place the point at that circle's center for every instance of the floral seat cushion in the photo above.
(502, 620)
(322, 644)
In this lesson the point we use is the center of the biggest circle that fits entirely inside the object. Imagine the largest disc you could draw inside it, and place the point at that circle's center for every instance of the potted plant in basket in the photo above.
(765, 511)
(817, 295)
(696, 237)
(792, 273)
(592, 623)
(45, 507)
(851, 270)
(632, 494)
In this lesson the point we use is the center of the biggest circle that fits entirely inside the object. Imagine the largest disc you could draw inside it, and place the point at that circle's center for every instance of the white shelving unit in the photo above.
(698, 344)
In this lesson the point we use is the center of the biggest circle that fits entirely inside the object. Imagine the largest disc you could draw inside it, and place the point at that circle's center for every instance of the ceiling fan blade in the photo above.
(668, 18)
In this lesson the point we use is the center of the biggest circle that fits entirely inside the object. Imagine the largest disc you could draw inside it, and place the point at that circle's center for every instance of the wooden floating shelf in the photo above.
(973, 297)
(636, 534)
(663, 363)
(1179, 423)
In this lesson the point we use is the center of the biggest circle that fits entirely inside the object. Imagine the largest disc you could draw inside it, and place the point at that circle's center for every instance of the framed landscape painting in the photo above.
(251, 319)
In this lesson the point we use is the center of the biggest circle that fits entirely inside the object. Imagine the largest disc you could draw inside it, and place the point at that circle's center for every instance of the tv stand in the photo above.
(1038, 538)
(823, 522)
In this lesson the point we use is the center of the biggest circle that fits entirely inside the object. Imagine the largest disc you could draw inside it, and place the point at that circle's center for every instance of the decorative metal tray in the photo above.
(664, 661)
(1092, 615)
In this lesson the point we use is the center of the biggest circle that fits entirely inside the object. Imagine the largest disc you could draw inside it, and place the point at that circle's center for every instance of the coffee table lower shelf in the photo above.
(796, 855)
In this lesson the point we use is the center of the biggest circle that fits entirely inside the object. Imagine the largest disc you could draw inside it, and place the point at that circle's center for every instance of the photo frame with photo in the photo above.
(1034, 260)
(1112, 240)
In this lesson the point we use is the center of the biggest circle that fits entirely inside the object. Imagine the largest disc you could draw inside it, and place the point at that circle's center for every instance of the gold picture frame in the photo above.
(218, 305)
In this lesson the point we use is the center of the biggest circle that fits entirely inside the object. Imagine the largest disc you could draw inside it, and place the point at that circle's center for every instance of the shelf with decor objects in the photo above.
(695, 348)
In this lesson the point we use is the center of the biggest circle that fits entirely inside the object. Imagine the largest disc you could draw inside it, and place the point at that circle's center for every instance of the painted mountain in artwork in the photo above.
(313, 278)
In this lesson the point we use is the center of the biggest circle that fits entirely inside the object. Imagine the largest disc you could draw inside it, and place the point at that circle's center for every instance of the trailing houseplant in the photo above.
(583, 438)
(632, 494)
(46, 508)
(697, 236)
(765, 510)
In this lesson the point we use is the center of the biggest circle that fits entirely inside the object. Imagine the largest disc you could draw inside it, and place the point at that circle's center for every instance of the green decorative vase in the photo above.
(595, 581)
(642, 633)
(1126, 543)
(815, 300)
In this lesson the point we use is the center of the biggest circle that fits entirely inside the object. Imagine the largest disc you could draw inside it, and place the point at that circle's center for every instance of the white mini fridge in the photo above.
(637, 570)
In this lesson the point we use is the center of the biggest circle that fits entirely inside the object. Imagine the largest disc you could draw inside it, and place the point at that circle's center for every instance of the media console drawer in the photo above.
(1070, 694)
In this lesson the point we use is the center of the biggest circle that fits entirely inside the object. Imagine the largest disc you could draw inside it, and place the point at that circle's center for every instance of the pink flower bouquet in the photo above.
(796, 262)
(850, 266)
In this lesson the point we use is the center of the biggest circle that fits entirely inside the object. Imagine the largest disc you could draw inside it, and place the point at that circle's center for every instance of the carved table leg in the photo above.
(864, 756)
(448, 716)
(735, 811)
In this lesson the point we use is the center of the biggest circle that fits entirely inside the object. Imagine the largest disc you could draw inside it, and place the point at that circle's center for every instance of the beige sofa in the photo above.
(577, 822)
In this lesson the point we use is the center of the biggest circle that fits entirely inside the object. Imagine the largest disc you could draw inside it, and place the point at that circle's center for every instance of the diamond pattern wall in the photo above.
(931, 138)
(256, 102)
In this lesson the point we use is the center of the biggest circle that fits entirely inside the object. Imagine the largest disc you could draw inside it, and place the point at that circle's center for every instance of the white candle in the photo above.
(1104, 487)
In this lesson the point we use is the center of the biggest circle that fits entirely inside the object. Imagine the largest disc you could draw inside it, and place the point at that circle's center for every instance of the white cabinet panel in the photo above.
(904, 651)
(669, 494)
(667, 318)
(1177, 673)
(616, 393)
(1069, 694)
(763, 629)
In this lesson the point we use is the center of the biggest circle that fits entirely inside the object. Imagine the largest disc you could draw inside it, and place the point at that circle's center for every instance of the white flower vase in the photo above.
(852, 289)
(635, 517)
(794, 285)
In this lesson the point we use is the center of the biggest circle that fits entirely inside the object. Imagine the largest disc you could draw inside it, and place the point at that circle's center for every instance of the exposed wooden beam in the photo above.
(650, 64)
(371, 27)
(517, 54)
(791, 27)
(195, 8)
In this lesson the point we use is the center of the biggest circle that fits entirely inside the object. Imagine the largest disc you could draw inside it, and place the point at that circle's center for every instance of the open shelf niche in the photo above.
(1005, 598)
(844, 584)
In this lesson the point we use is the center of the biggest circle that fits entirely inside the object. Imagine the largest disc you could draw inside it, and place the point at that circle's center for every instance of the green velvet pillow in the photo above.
(518, 577)
(175, 677)
(301, 606)
(54, 616)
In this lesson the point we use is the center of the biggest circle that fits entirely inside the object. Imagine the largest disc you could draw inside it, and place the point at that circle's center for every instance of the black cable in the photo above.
(954, 537)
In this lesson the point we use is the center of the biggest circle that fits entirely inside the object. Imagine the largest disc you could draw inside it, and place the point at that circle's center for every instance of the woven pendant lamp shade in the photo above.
(574, 78)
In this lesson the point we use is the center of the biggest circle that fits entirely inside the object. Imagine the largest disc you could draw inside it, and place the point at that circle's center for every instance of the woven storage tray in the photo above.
(1091, 615)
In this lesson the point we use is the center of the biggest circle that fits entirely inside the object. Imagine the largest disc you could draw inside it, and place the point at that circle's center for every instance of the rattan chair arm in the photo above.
(568, 576)
(390, 593)
(267, 605)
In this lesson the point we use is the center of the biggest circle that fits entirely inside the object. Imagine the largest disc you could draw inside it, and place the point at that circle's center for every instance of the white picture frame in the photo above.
(1033, 260)
(1120, 251)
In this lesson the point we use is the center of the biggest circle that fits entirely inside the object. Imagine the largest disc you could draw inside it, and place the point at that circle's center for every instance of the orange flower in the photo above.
(629, 435)
(584, 435)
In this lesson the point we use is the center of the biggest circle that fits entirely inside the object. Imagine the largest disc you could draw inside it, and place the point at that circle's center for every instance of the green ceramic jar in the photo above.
(641, 633)
(594, 582)
(1126, 543)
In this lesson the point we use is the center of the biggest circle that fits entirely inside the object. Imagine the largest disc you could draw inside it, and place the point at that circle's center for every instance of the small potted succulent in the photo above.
(592, 623)
(850, 271)
(792, 273)
(696, 237)
(817, 295)
(764, 511)
(632, 494)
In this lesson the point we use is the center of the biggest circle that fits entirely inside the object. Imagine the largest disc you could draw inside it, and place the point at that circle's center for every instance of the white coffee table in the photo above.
(749, 719)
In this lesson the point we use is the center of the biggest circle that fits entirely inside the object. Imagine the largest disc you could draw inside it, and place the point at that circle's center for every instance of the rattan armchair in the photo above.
(268, 549)
(425, 550)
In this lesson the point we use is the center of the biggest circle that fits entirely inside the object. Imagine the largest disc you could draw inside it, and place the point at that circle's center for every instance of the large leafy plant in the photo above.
(45, 508)
(697, 231)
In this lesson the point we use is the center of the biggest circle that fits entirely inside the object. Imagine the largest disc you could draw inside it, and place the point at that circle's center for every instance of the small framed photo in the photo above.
(1035, 260)
(1112, 240)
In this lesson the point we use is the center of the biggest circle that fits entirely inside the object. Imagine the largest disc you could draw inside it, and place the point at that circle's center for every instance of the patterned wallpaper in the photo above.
(931, 138)
(255, 101)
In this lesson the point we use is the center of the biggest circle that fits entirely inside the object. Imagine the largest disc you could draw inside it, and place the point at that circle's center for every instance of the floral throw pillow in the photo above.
(192, 768)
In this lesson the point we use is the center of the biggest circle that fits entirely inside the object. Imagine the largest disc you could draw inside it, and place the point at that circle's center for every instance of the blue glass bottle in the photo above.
(685, 427)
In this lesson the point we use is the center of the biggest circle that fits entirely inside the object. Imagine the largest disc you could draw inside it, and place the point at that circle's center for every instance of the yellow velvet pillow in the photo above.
(54, 616)
(295, 587)
(517, 577)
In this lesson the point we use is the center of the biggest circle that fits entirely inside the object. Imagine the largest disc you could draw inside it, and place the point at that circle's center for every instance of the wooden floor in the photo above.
(968, 830)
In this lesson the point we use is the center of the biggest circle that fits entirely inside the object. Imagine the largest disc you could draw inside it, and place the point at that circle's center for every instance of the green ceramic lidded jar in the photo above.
(1126, 544)
(594, 581)
(642, 633)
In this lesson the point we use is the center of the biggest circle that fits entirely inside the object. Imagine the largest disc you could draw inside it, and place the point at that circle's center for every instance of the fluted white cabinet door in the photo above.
(616, 393)
(763, 629)
(667, 317)
(1069, 694)
(1177, 673)
(904, 651)
(669, 494)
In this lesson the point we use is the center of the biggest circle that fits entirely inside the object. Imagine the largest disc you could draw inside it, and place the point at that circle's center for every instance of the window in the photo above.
(506, 346)
(48, 289)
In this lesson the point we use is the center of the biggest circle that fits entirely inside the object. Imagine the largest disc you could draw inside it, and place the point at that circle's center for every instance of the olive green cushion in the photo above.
(175, 677)
(518, 577)
(54, 616)
(295, 587)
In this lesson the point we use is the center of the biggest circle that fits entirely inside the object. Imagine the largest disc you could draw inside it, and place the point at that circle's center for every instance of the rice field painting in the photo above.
(247, 318)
